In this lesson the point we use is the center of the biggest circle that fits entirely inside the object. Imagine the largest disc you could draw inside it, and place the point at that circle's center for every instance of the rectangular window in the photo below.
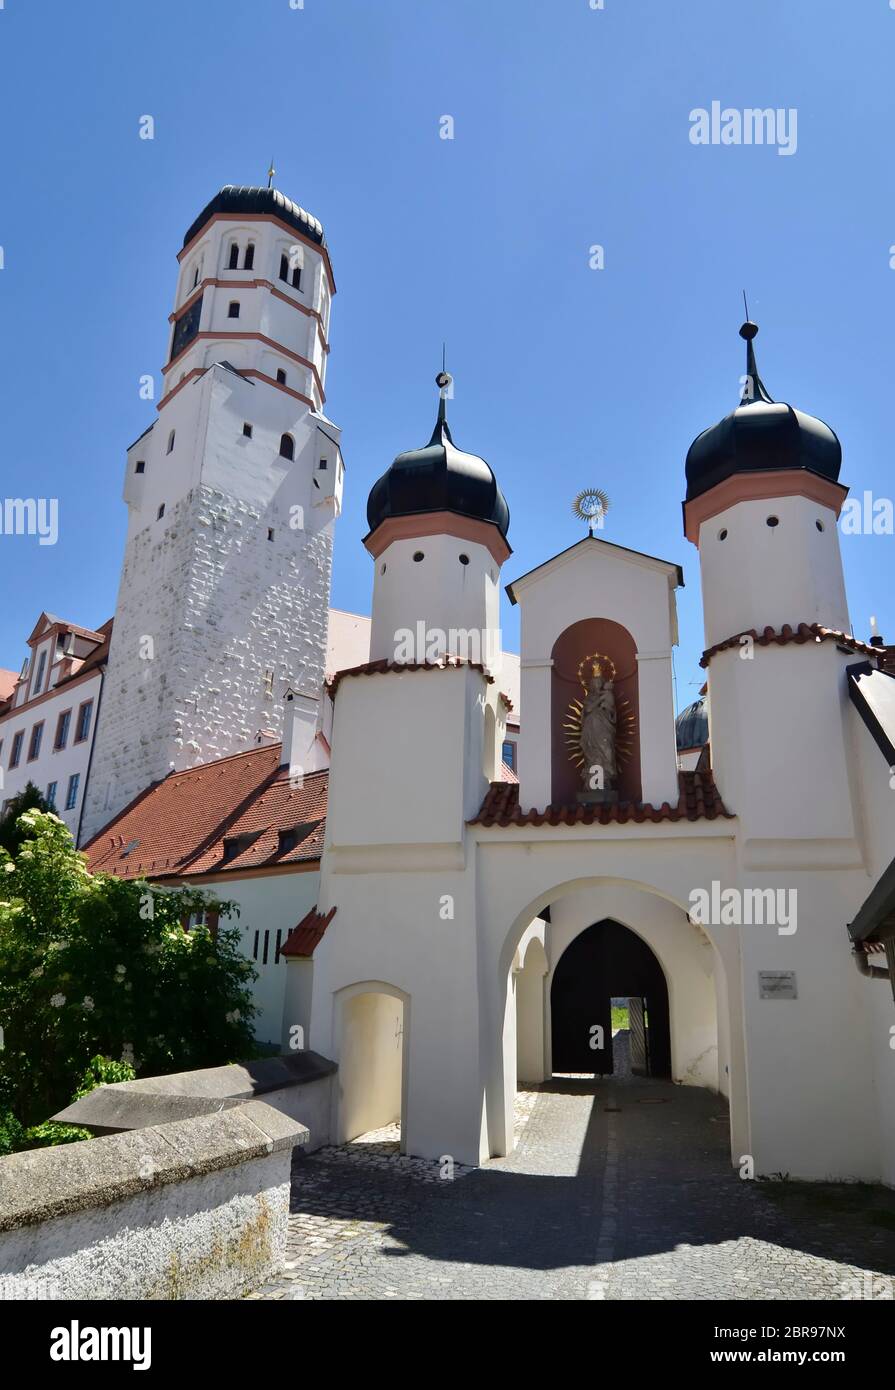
(255, 947)
(281, 376)
(37, 734)
(71, 796)
(51, 795)
(85, 714)
(247, 430)
(276, 958)
(296, 278)
(15, 754)
(233, 310)
(270, 533)
(323, 465)
(284, 268)
(266, 945)
(39, 678)
(509, 754)
(62, 727)
(161, 512)
(140, 466)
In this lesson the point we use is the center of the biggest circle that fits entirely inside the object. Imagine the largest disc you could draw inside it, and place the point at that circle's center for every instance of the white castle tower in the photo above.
(232, 495)
(438, 524)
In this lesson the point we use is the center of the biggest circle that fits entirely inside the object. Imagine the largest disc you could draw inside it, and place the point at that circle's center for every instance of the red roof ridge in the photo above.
(800, 634)
(698, 799)
(304, 939)
(383, 667)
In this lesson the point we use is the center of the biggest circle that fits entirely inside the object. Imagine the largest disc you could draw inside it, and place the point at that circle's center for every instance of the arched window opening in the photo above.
(249, 258)
(287, 447)
(234, 256)
(284, 267)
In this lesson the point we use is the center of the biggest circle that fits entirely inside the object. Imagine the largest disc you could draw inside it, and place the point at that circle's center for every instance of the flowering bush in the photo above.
(95, 967)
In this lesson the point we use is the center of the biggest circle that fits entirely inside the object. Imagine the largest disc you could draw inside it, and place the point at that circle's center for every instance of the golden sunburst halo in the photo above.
(590, 503)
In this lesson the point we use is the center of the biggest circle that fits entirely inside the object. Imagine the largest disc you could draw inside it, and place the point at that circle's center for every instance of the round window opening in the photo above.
(464, 559)
(418, 556)
(722, 534)
(773, 521)
(819, 525)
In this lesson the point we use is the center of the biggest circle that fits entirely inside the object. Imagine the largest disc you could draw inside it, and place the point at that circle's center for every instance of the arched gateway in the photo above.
(609, 962)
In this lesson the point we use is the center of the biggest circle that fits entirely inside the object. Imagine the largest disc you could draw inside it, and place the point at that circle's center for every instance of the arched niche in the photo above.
(576, 642)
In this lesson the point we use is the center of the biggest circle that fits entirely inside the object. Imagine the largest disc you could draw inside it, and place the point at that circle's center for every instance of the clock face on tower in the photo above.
(186, 328)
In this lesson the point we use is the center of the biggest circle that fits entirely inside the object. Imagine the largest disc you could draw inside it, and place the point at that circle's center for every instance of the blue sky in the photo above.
(571, 129)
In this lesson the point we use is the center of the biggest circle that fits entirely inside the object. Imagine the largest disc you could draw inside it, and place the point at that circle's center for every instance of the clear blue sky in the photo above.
(571, 129)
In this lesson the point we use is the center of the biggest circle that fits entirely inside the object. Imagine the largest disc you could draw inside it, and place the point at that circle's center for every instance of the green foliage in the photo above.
(12, 834)
(102, 1071)
(98, 967)
(12, 1135)
(47, 1134)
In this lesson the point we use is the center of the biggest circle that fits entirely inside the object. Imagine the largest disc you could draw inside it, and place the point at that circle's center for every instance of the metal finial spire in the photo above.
(270, 175)
(443, 381)
(753, 386)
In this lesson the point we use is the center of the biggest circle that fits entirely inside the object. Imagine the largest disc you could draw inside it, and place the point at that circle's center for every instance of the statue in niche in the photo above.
(599, 719)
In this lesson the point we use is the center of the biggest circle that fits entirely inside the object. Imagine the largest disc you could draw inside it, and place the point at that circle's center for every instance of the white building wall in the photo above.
(51, 765)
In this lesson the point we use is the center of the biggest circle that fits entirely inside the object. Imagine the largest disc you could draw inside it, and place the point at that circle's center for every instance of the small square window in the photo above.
(323, 465)
(281, 376)
(233, 311)
(140, 466)
(247, 430)
(161, 512)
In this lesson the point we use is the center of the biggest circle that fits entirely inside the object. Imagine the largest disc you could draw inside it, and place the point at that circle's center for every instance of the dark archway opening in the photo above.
(609, 961)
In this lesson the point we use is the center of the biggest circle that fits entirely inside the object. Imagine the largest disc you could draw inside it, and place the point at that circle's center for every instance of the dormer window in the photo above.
(39, 677)
(234, 257)
(287, 447)
(233, 310)
(249, 258)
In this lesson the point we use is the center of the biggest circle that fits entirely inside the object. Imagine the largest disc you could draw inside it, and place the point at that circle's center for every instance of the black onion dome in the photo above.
(248, 202)
(761, 435)
(438, 478)
(691, 727)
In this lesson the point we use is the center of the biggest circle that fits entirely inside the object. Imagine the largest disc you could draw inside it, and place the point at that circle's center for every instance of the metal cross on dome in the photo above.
(591, 505)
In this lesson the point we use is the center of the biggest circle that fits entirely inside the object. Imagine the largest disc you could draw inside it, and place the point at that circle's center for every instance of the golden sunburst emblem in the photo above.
(598, 664)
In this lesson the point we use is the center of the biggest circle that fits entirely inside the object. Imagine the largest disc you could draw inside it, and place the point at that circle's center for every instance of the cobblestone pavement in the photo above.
(620, 1189)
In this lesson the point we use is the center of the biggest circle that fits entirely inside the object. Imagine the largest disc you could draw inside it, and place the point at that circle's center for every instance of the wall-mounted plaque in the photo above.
(777, 984)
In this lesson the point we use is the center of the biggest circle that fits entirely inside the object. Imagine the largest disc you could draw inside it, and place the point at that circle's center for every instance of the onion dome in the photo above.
(691, 728)
(439, 478)
(254, 202)
(761, 435)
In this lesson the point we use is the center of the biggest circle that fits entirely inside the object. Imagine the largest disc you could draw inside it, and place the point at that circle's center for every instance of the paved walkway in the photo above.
(616, 1190)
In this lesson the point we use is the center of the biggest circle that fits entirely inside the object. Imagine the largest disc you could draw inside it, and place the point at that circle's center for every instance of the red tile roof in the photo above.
(304, 939)
(235, 814)
(699, 800)
(804, 632)
(383, 667)
(8, 682)
(507, 774)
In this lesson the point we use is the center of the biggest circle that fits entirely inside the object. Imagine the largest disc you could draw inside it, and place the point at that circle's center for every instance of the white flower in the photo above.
(233, 1017)
(88, 1003)
(10, 868)
(120, 969)
(57, 1001)
(36, 974)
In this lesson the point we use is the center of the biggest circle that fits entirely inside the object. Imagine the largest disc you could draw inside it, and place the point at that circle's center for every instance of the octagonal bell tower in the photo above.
(232, 496)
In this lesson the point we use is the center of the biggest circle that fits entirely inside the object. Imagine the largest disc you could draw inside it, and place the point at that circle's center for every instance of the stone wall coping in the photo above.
(41, 1184)
(183, 1094)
